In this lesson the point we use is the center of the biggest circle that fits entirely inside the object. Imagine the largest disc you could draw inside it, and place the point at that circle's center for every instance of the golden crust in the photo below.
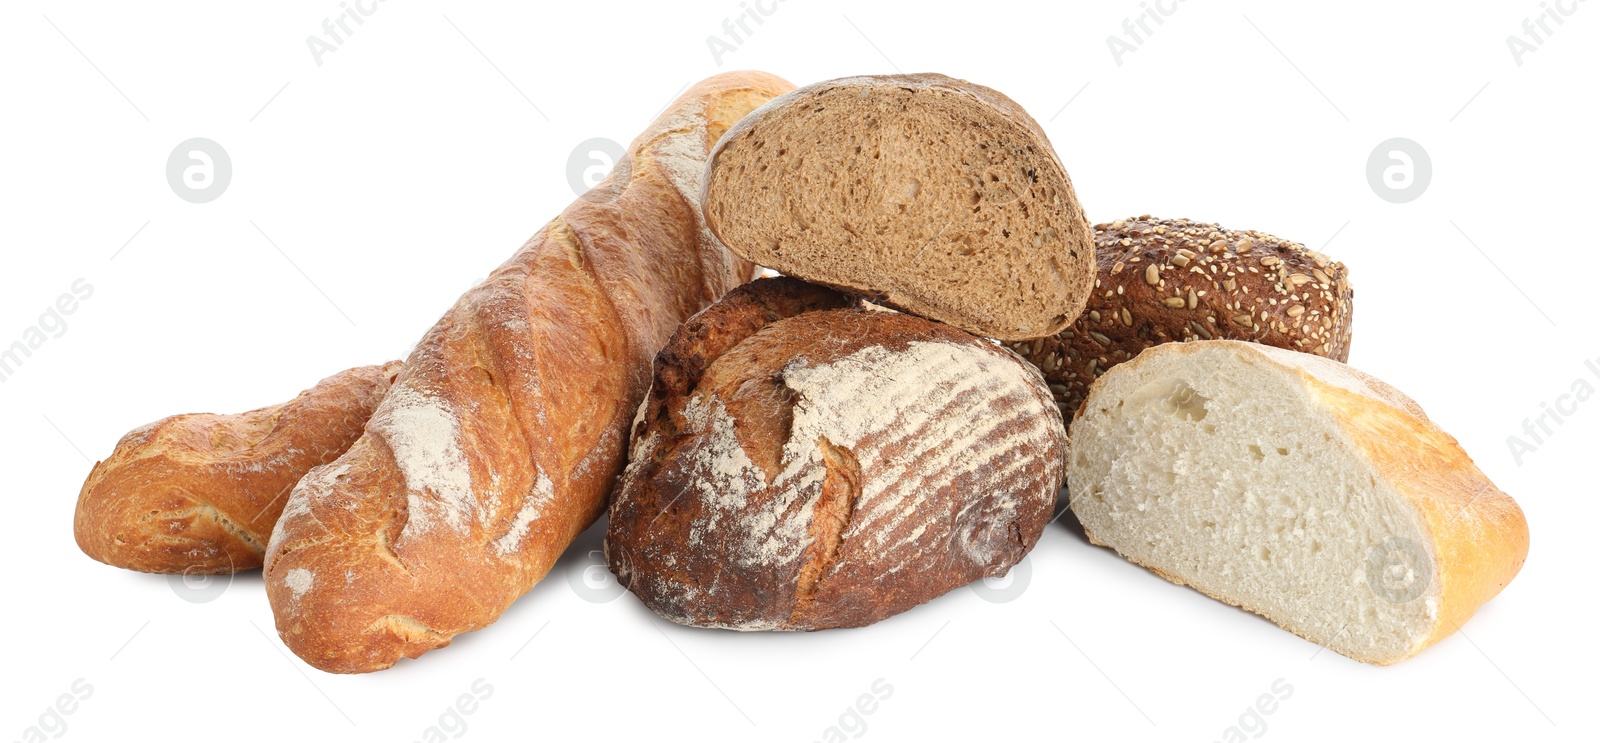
(1479, 536)
(200, 493)
(506, 431)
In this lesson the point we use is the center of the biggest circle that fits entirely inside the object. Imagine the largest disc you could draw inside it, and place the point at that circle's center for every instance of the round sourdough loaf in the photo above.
(800, 464)
(922, 192)
(1175, 280)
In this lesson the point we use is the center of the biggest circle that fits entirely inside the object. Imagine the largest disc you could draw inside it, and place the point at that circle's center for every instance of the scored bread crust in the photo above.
(200, 493)
(503, 436)
(1478, 535)
(755, 501)
(1208, 283)
(1057, 274)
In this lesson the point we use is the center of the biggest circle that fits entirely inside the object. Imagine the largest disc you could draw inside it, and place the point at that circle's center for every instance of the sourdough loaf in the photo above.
(200, 493)
(1175, 280)
(798, 467)
(500, 441)
(925, 193)
(1296, 487)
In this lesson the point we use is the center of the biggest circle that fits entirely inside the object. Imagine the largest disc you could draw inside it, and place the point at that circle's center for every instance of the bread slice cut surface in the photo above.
(928, 194)
(1295, 487)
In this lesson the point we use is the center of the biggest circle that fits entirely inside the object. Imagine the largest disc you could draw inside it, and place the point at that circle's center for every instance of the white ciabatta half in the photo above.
(1295, 487)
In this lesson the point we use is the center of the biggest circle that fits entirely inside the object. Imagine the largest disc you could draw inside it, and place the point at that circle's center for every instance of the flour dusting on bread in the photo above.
(537, 499)
(425, 438)
(934, 402)
(299, 581)
(722, 471)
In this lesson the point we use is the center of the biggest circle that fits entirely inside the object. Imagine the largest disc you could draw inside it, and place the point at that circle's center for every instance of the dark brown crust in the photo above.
(200, 493)
(1246, 286)
(515, 408)
(711, 332)
(738, 352)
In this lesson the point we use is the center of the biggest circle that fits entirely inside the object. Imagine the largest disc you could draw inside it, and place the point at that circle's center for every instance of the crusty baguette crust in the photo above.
(1209, 282)
(1479, 535)
(506, 431)
(1062, 271)
(200, 493)
(755, 499)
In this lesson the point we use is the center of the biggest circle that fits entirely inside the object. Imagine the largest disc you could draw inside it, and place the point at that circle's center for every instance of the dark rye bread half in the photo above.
(804, 462)
(1165, 280)
(921, 192)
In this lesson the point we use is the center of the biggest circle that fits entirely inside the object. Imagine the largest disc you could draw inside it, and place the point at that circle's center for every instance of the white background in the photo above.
(386, 181)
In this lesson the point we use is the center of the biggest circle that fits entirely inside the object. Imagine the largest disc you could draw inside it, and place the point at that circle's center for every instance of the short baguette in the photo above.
(503, 436)
(1296, 487)
(1175, 280)
(922, 192)
(200, 493)
(799, 467)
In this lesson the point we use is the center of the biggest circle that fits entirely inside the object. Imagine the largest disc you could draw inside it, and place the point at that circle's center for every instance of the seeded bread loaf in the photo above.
(798, 467)
(925, 193)
(1167, 280)
(1295, 487)
(200, 493)
(502, 438)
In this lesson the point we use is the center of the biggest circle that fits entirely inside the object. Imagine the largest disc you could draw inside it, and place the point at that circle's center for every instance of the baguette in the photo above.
(1295, 487)
(799, 465)
(501, 439)
(200, 493)
(922, 192)
(1175, 280)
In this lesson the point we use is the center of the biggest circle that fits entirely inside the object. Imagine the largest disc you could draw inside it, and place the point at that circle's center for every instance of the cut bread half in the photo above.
(1295, 487)
(921, 192)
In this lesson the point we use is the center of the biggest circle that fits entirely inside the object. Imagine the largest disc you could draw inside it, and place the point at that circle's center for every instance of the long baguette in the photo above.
(503, 436)
(200, 493)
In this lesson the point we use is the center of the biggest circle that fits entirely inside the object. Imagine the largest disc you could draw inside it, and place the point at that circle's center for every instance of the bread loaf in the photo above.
(1296, 487)
(925, 193)
(200, 493)
(1175, 280)
(798, 467)
(500, 441)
